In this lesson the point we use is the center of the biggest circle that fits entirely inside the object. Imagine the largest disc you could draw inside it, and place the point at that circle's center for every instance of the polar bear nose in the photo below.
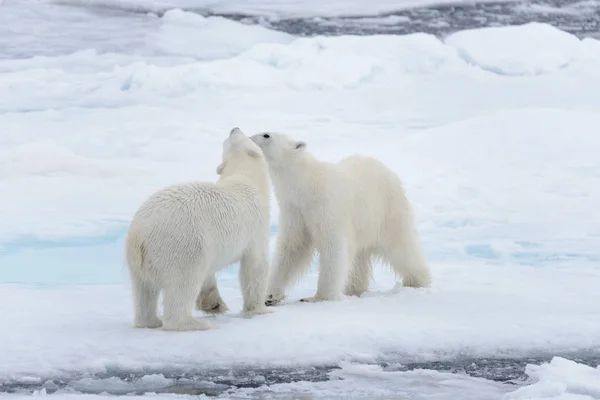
(236, 131)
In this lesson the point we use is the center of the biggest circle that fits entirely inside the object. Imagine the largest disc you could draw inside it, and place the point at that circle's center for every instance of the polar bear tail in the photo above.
(134, 251)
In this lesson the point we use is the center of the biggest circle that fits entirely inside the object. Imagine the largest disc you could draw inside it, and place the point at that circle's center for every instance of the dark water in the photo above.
(217, 381)
(51, 29)
(580, 18)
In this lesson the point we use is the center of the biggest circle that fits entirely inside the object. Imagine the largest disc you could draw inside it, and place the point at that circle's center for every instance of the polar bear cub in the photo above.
(183, 234)
(349, 212)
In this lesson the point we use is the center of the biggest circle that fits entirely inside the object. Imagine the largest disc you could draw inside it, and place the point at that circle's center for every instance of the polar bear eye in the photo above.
(266, 136)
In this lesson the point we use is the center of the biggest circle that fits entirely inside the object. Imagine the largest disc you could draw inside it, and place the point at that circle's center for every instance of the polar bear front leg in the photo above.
(292, 256)
(254, 275)
(333, 257)
(209, 300)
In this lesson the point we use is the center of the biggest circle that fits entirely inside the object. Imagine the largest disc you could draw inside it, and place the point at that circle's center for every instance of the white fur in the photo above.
(349, 212)
(183, 234)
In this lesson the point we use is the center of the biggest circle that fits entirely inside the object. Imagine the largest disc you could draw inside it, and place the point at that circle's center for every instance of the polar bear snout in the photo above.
(236, 131)
(260, 139)
(277, 147)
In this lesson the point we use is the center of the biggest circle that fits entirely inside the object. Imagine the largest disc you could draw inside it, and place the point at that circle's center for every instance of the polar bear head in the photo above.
(277, 147)
(240, 154)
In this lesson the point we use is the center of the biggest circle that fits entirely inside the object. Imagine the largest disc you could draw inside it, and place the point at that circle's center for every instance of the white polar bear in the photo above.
(183, 234)
(350, 212)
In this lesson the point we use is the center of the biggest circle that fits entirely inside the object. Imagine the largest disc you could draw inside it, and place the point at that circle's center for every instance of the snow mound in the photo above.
(529, 49)
(561, 379)
(319, 63)
(192, 53)
(188, 34)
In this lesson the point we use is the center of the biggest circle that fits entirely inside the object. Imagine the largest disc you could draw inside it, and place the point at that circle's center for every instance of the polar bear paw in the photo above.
(212, 306)
(151, 323)
(274, 299)
(188, 324)
(314, 299)
(215, 308)
(317, 299)
(260, 310)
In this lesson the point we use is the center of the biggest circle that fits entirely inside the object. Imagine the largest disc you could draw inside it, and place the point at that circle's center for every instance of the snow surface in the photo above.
(498, 150)
(473, 311)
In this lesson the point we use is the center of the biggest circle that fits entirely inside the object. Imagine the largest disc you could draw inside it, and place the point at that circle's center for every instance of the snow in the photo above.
(498, 150)
(560, 379)
(532, 48)
(211, 37)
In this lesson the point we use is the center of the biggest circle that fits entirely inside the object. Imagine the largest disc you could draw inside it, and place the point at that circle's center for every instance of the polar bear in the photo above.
(349, 212)
(183, 234)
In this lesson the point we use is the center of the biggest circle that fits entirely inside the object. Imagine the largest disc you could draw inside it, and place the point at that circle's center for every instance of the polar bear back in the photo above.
(375, 195)
(358, 191)
(202, 219)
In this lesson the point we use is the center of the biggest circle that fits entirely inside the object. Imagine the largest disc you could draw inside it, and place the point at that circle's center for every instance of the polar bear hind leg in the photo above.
(145, 292)
(145, 299)
(209, 300)
(179, 297)
(407, 261)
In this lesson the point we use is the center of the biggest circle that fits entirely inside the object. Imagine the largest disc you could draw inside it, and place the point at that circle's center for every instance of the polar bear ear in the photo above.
(253, 153)
(300, 145)
(220, 168)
